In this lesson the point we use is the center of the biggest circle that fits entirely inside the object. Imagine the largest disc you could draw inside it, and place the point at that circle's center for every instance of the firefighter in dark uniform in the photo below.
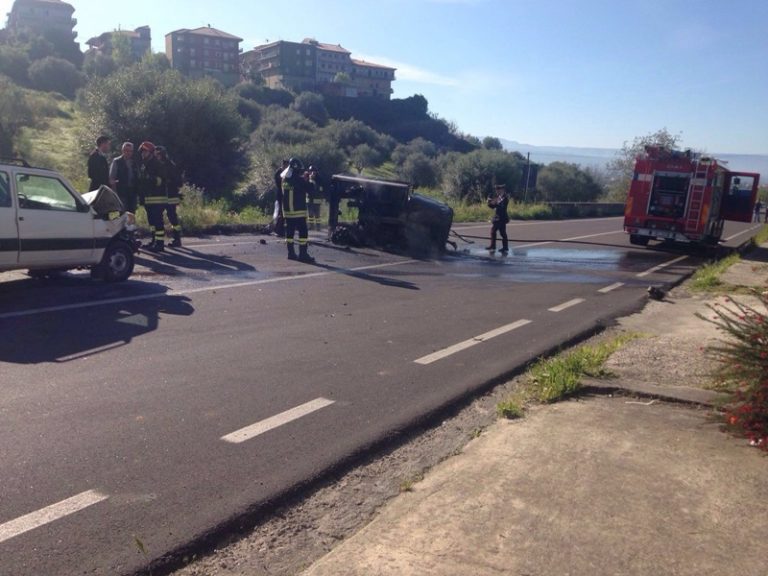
(315, 199)
(294, 207)
(499, 203)
(170, 186)
(151, 196)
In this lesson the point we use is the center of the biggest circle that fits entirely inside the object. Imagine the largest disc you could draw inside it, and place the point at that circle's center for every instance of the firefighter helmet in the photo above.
(295, 164)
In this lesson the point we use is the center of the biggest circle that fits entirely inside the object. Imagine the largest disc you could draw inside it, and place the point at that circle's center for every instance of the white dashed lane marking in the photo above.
(259, 428)
(611, 288)
(456, 348)
(567, 305)
(50, 514)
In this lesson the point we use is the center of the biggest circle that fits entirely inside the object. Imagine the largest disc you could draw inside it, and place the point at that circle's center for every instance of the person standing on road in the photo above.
(98, 165)
(315, 199)
(150, 196)
(122, 177)
(278, 222)
(758, 207)
(499, 203)
(170, 184)
(294, 208)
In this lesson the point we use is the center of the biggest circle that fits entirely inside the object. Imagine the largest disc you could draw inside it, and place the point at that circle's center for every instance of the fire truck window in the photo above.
(669, 196)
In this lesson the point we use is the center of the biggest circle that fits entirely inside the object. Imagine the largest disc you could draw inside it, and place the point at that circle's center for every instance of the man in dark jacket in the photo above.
(499, 203)
(98, 166)
(122, 177)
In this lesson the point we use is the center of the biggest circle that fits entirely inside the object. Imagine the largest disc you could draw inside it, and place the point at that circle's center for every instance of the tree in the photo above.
(56, 75)
(312, 106)
(196, 119)
(419, 170)
(565, 182)
(121, 49)
(492, 143)
(364, 156)
(622, 166)
(471, 177)
(14, 63)
(14, 115)
(342, 78)
(98, 65)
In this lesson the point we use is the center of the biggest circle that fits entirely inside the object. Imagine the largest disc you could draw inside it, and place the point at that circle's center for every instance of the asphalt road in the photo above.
(136, 418)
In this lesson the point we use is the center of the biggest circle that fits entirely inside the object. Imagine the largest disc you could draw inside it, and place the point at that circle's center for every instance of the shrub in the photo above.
(743, 367)
(56, 75)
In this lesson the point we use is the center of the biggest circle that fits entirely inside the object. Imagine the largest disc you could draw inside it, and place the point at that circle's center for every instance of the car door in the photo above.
(56, 228)
(740, 196)
(9, 231)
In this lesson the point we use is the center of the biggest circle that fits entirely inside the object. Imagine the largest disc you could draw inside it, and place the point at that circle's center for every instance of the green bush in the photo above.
(56, 75)
(743, 366)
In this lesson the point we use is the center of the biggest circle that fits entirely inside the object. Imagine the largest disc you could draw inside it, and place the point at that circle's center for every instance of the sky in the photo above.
(587, 73)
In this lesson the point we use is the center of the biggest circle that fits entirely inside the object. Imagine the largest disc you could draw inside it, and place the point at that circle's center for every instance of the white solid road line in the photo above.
(171, 293)
(744, 232)
(441, 354)
(459, 228)
(50, 514)
(611, 288)
(575, 238)
(567, 305)
(661, 267)
(250, 432)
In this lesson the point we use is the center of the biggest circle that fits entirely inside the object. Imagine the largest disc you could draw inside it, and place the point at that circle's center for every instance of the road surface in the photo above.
(137, 418)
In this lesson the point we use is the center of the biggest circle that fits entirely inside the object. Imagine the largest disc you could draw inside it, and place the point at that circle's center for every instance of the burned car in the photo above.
(48, 227)
(389, 216)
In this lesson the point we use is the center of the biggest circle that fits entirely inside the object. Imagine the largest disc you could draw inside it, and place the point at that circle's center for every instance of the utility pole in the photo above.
(527, 177)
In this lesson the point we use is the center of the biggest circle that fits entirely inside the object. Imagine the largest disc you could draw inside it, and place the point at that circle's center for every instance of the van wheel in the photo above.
(117, 263)
(639, 240)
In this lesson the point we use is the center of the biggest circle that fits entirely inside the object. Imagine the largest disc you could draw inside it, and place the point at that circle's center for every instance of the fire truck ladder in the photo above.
(696, 198)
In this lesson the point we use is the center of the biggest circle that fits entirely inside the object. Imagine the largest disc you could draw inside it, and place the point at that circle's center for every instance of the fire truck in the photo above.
(681, 196)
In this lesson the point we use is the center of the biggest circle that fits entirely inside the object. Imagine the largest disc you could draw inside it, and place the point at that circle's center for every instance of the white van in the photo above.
(46, 226)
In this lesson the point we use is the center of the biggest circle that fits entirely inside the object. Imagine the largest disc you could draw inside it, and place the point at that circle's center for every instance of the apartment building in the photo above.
(140, 42)
(316, 66)
(41, 16)
(205, 52)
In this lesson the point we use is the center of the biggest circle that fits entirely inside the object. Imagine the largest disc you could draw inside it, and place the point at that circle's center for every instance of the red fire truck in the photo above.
(681, 196)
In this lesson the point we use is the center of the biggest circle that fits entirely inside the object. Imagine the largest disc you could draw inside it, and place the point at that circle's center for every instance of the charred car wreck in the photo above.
(389, 216)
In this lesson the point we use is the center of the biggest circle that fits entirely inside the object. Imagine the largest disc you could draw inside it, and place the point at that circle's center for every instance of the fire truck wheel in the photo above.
(638, 240)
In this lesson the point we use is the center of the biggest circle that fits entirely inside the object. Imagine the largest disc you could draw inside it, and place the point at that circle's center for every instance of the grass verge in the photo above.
(707, 278)
(552, 379)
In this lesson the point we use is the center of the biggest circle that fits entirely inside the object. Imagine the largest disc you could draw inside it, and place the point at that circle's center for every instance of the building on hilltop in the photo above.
(205, 52)
(314, 66)
(140, 42)
(42, 16)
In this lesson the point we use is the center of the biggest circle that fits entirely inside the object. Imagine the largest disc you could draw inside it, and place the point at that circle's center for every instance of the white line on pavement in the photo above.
(170, 293)
(250, 432)
(743, 232)
(50, 514)
(575, 238)
(661, 267)
(222, 244)
(441, 354)
(459, 228)
(611, 288)
(567, 305)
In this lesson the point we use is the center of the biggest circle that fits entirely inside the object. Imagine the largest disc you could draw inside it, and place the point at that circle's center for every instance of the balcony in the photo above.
(74, 22)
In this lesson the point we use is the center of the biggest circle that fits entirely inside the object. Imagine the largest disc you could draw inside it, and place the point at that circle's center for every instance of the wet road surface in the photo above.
(220, 376)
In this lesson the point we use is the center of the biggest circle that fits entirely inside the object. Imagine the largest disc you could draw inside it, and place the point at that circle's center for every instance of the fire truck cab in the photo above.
(685, 197)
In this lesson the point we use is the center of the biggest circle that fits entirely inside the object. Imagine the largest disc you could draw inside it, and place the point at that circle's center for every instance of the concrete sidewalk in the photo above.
(597, 486)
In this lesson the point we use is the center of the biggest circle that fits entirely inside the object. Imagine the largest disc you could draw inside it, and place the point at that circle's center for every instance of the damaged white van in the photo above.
(47, 227)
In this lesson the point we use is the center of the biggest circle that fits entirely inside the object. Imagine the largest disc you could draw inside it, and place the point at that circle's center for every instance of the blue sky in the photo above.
(588, 73)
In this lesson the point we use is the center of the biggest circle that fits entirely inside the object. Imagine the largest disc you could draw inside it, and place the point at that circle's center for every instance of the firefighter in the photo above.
(315, 199)
(294, 208)
(170, 184)
(278, 223)
(151, 195)
(499, 203)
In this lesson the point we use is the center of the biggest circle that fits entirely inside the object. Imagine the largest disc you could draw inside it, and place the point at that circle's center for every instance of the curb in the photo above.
(675, 394)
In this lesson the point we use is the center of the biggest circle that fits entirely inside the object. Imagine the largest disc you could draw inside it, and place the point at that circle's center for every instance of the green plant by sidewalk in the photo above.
(707, 278)
(511, 409)
(555, 378)
(743, 366)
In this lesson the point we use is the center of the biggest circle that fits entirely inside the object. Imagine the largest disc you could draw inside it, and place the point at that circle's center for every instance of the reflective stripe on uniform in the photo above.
(298, 214)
